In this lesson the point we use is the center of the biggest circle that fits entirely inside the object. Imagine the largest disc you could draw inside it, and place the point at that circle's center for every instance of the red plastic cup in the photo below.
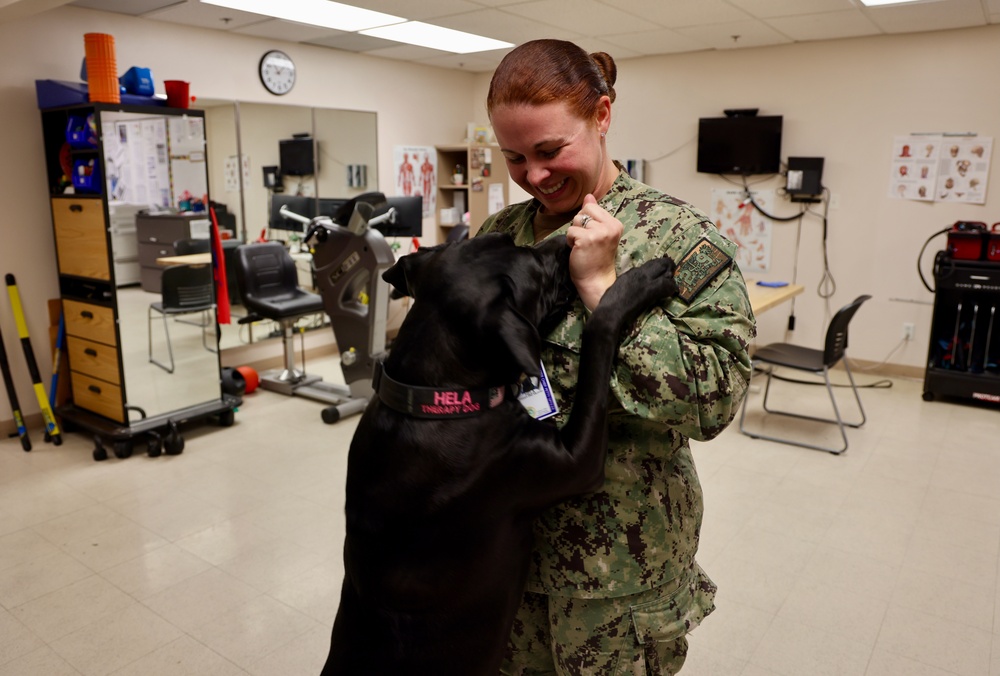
(178, 93)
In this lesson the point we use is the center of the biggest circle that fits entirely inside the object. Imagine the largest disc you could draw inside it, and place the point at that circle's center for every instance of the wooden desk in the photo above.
(188, 259)
(763, 298)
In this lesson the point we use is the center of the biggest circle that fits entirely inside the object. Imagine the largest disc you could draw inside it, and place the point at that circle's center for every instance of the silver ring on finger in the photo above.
(585, 220)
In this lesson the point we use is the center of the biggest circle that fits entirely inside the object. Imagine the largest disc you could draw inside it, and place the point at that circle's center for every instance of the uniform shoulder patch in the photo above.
(698, 267)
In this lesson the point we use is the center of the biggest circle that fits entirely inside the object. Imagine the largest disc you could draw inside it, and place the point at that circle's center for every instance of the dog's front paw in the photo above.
(643, 286)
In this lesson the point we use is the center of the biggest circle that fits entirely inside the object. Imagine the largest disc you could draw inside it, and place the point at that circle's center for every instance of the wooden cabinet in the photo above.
(482, 166)
(81, 245)
(105, 163)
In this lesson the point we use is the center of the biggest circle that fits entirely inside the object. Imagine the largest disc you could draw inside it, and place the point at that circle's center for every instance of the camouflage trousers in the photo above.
(638, 635)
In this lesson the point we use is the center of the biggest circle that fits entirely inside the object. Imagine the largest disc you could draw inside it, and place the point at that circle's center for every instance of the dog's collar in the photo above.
(433, 402)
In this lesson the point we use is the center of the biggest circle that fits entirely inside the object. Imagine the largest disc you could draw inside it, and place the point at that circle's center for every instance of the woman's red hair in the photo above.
(543, 71)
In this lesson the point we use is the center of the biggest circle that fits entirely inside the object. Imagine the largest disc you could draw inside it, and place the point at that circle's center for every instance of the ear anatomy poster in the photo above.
(941, 167)
(744, 225)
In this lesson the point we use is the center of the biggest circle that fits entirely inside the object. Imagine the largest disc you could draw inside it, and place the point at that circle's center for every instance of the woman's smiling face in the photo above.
(553, 154)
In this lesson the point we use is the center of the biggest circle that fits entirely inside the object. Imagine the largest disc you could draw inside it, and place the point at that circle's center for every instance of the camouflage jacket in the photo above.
(680, 373)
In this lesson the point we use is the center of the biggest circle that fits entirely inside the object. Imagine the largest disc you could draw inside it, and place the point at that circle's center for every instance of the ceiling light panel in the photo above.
(316, 12)
(879, 3)
(435, 37)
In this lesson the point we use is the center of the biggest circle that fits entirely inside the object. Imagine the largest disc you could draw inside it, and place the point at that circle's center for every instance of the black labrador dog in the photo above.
(447, 469)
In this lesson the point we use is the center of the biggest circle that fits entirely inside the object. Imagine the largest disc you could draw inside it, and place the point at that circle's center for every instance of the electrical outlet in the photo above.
(909, 330)
(835, 200)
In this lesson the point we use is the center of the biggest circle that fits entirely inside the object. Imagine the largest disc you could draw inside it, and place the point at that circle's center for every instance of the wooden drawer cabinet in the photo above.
(92, 349)
(93, 359)
(81, 238)
(93, 322)
(98, 396)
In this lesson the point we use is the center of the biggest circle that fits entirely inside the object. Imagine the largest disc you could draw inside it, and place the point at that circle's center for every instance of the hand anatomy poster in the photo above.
(746, 226)
(941, 167)
(416, 174)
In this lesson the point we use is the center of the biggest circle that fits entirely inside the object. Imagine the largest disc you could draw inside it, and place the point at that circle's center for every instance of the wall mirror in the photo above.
(154, 163)
(245, 142)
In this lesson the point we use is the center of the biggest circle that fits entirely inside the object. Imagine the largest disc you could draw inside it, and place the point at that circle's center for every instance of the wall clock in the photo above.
(277, 72)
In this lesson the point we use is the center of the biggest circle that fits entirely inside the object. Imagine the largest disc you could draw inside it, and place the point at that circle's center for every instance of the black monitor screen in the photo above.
(296, 156)
(297, 204)
(739, 145)
(409, 217)
(328, 206)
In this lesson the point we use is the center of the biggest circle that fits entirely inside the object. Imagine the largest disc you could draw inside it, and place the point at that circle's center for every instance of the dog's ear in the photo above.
(518, 334)
(404, 276)
(396, 276)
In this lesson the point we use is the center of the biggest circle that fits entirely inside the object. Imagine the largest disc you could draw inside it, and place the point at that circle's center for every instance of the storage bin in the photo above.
(966, 240)
(87, 176)
(993, 244)
(81, 132)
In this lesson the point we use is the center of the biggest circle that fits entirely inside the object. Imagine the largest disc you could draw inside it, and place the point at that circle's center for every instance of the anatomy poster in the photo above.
(940, 168)
(745, 225)
(416, 174)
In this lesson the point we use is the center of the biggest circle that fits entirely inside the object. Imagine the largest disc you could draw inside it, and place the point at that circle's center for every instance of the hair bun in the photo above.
(609, 71)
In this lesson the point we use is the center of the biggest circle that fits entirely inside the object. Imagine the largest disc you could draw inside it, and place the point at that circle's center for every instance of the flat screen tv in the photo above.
(297, 204)
(296, 156)
(409, 219)
(741, 144)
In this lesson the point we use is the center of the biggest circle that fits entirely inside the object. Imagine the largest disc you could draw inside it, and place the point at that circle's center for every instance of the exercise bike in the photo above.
(349, 257)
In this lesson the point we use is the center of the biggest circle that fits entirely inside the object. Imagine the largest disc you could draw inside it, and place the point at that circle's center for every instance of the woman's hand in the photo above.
(593, 237)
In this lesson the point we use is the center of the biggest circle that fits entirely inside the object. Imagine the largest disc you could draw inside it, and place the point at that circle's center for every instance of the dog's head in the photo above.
(489, 293)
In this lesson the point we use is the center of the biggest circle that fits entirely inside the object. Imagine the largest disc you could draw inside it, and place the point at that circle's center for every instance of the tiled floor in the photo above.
(225, 560)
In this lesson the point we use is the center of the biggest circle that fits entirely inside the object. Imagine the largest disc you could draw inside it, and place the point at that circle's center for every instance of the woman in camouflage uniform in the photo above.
(614, 586)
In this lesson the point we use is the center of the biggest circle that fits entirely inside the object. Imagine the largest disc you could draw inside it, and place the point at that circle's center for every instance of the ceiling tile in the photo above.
(617, 51)
(827, 26)
(480, 62)
(205, 16)
(496, 3)
(647, 43)
(927, 16)
(586, 17)
(748, 34)
(405, 52)
(133, 7)
(353, 42)
(500, 25)
(418, 11)
(278, 29)
(681, 12)
(765, 9)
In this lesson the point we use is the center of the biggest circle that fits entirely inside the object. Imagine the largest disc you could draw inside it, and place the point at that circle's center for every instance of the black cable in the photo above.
(827, 277)
(921, 255)
(749, 200)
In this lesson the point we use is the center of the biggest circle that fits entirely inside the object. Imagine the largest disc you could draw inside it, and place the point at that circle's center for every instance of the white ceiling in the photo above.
(623, 28)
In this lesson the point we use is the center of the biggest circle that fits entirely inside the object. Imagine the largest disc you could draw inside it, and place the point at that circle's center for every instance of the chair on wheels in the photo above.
(186, 289)
(269, 286)
(787, 355)
(458, 233)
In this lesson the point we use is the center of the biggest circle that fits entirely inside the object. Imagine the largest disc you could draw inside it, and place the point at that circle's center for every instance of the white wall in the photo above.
(416, 105)
(843, 100)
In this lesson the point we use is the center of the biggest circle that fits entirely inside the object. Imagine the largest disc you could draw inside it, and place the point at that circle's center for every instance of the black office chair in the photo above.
(787, 355)
(184, 247)
(458, 233)
(269, 286)
(186, 289)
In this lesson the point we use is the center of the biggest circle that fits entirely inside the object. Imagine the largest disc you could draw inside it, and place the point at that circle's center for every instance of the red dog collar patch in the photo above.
(432, 402)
